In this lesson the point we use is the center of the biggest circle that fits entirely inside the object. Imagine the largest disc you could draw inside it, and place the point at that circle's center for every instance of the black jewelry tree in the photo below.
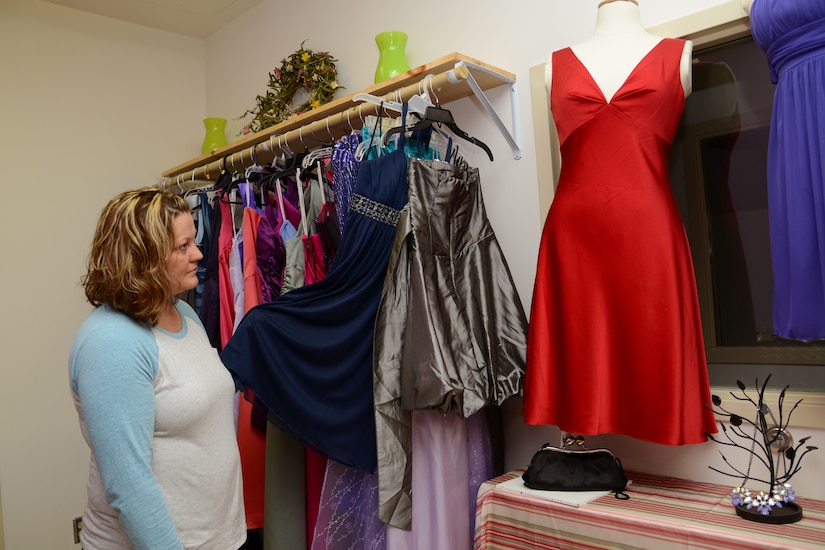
(777, 505)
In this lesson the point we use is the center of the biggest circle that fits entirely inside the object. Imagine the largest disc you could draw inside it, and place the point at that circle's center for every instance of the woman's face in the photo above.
(182, 265)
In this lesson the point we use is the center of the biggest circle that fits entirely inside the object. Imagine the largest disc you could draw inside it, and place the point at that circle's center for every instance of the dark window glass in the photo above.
(718, 169)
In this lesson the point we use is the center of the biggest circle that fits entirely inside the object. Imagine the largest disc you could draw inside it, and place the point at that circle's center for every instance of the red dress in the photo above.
(615, 337)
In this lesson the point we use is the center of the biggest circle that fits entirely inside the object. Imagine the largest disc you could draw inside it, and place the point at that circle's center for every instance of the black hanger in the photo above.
(223, 194)
(290, 169)
(438, 115)
(294, 164)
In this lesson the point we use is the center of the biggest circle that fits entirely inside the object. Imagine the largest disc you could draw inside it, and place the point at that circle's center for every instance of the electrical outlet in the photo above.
(77, 525)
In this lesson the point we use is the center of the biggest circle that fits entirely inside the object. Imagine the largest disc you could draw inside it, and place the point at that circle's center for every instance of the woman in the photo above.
(154, 400)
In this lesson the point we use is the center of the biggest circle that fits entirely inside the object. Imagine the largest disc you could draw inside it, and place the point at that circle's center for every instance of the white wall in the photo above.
(92, 106)
(89, 107)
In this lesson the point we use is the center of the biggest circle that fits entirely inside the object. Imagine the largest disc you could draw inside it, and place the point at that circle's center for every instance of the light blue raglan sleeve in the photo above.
(186, 310)
(113, 366)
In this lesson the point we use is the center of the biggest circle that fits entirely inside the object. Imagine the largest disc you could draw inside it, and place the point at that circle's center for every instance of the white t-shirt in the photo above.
(156, 408)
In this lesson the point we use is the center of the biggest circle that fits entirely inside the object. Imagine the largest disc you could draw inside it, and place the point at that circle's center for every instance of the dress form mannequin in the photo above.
(616, 102)
(617, 45)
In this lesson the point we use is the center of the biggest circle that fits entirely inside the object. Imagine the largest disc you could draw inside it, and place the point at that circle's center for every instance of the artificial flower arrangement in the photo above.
(777, 505)
(314, 74)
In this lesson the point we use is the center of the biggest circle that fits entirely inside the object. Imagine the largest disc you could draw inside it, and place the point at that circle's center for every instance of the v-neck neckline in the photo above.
(627, 78)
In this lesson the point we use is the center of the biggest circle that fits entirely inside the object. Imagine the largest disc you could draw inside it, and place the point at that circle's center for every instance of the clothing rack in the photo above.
(449, 78)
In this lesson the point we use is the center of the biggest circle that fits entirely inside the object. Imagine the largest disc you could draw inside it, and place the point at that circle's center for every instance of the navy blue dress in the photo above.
(307, 355)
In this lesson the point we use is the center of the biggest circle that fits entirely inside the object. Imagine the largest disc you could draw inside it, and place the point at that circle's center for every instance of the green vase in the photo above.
(392, 60)
(215, 137)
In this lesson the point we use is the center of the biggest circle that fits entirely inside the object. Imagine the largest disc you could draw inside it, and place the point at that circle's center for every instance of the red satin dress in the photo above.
(615, 336)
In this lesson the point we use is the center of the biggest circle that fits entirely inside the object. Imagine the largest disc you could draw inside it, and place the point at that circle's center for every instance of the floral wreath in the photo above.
(303, 70)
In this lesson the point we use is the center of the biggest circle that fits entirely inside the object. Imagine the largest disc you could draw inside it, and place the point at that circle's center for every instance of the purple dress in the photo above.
(792, 34)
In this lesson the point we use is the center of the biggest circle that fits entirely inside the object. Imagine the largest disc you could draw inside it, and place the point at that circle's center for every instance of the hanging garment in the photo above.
(271, 254)
(314, 270)
(202, 215)
(251, 424)
(345, 175)
(309, 256)
(615, 340)
(348, 514)
(792, 34)
(293, 244)
(311, 205)
(315, 265)
(203, 240)
(452, 460)
(451, 332)
(308, 354)
(225, 242)
(253, 292)
(251, 440)
(283, 528)
(327, 221)
(210, 301)
(236, 278)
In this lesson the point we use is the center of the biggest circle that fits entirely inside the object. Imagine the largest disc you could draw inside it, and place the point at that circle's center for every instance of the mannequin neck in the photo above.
(618, 17)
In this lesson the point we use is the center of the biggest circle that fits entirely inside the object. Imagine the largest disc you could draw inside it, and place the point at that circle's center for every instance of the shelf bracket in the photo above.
(512, 141)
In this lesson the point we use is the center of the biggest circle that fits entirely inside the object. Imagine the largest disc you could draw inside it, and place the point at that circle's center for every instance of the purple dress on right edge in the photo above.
(792, 34)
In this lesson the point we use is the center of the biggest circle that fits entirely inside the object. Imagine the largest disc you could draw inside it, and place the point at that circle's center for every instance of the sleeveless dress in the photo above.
(792, 34)
(308, 354)
(615, 338)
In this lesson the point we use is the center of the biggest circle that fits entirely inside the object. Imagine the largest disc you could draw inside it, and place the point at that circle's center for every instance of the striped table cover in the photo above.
(663, 512)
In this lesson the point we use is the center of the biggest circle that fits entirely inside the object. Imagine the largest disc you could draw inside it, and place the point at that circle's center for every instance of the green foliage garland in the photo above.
(314, 72)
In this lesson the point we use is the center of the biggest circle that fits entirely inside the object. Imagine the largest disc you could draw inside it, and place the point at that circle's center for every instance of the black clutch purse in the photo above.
(555, 469)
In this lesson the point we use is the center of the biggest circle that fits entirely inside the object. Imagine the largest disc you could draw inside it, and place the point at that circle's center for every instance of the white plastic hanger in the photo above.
(316, 154)
(303, 209)
(375, 100)
(416, 104)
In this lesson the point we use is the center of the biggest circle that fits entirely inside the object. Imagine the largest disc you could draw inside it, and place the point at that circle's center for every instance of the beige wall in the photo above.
(91, 106)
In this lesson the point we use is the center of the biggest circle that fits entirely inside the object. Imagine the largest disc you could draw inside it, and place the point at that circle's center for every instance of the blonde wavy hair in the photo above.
(132, 244)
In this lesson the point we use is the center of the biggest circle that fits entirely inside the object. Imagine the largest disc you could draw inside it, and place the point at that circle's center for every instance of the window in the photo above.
(718, 168)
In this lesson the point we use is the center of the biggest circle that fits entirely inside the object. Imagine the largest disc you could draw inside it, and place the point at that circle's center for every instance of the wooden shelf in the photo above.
(486, 76)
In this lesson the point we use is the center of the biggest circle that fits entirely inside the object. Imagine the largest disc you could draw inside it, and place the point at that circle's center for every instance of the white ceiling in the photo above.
(196, 18)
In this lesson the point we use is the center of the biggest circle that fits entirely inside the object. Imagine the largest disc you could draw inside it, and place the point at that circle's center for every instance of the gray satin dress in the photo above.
(450, 332)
